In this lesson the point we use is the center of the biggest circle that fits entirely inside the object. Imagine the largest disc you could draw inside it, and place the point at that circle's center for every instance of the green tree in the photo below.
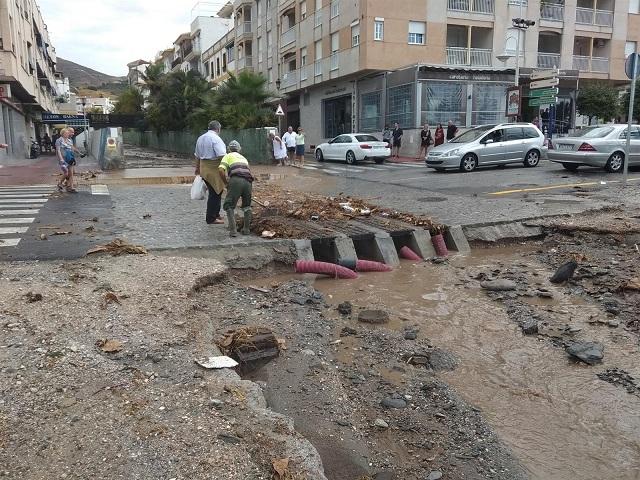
(153, 77)
(130, 101)
(598, 100)
(240, 102)
(636, 102)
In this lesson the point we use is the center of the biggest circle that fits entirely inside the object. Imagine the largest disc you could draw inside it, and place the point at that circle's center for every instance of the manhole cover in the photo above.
(432, 199)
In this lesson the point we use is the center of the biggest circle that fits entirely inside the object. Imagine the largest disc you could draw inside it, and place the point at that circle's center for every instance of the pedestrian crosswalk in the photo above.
(19, 206)
(344, 169)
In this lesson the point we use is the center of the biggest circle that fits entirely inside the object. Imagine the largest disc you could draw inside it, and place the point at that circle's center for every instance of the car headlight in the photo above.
(451, 153)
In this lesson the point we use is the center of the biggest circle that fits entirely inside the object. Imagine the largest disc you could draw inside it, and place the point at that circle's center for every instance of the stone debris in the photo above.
(589, 352)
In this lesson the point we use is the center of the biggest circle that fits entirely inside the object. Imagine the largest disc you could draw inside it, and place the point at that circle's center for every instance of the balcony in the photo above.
(552, 11)
(288, 37)
(470, 57)
(471, 6)
(591, 64)
(176, 61)
(243, 28)
(548, 60)
(245, 63)
(589, 16)
(289, 79)
(187, 49)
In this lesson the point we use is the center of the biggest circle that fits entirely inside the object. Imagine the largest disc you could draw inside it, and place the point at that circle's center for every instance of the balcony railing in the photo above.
(317, 68)
(552, 11)
(176, 62)
(477, 57)
(473, 6)
(288, 37)
(591, 64)
(289, 79)
(335, 61)
(242, 28)
(244, 62)
(548, 60)
(589, 16)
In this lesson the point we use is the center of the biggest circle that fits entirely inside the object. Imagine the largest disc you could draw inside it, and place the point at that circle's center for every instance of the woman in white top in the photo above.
(279, 149)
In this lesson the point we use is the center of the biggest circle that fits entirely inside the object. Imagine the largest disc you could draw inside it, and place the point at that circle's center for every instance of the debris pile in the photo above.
(250, 344)
(118, 247)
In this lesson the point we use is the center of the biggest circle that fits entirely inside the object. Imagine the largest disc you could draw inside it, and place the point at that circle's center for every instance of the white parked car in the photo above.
(352, 148)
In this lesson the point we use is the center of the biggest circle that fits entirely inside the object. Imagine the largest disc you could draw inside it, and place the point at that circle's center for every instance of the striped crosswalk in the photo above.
(19, 206)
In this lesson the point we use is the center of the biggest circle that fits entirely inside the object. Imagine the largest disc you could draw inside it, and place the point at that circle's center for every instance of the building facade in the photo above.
(27, 73)
(135, 76)
(449, 59)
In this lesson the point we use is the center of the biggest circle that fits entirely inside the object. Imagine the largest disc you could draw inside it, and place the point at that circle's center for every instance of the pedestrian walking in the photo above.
(289, 139)
(396, 135)
(235, 173)
(425, 141)
(386, 135)
(300, 147)
(279, 149)
(439, 135)
(452, 130)
(210, 149)
(65, 153)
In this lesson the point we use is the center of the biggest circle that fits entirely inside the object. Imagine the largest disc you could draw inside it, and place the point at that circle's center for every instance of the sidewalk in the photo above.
(406, 160)
(39, 171)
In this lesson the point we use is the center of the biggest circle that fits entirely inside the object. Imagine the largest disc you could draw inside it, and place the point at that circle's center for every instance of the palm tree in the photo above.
(240, 101)
(130, 101)
(153, 77)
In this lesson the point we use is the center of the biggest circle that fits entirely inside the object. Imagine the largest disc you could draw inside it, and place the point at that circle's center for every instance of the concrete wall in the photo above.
(13, 131)
(106, 146)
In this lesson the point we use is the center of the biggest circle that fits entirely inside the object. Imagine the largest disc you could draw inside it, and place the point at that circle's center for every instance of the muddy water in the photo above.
(560, 420)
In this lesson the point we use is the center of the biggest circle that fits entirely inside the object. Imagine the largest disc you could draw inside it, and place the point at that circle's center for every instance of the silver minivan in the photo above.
(494, 145)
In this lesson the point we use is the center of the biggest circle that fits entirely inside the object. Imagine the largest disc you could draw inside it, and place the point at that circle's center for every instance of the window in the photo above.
(370, 112)
(634, 6)
(318, 50)
(335, 8)
(629, 48)
(303, 9)
(417, 32)
(378, 30)
(514, 134)
(269, 43)
(335, 42)
(635, 133)
(530, 132)
(303, 56)
(489, 103)
(366, 138)
(337, 116)
(355, 35)
(400, 105)
(444, 101)
(270, 75)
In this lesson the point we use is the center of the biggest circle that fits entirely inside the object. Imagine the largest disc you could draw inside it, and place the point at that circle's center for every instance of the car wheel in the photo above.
(379, 160)
(319, 156)
(468, 163)
(351, 157)
(532, 159)
(615, 163)
(572, 167)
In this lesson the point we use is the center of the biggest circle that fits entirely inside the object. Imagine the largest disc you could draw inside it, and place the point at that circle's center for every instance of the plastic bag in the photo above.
(198, 189)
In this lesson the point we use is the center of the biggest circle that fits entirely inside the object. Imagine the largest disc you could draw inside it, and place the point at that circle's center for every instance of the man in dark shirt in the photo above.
(452, 130)
(396, 135)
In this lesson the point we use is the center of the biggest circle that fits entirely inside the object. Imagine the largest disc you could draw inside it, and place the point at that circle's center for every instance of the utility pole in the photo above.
(521, 24)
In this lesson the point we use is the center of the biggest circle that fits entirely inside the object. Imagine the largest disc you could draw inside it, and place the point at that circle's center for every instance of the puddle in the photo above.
(561, 421)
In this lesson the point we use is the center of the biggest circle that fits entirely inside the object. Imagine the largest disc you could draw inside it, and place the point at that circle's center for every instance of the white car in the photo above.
(352, 148)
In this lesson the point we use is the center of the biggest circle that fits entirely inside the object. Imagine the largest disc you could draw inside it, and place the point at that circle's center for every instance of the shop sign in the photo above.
(513, 101)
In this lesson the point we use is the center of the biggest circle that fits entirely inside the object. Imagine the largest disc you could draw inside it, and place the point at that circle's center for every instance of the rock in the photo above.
(216, 403)
(435, 475)
(380, 423)
(394, 401)
(343, 423)
(345, 308)
(544, 294)
(530, 327)
(346, 331)
(373, 316)
(309, 352)
(612, 307)
(500, 285)
(441, 360)
(613, 323)
(300, 300)
(226, 438)
(588, 352)
(410, 335)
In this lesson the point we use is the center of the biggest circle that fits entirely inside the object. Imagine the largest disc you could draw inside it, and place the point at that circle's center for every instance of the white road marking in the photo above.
(24, 195)
(409, 179)
(19, 212)
(25, 187)
(25, 200)
(16, 221)
(99, 190)
(12, 230)
(9, 242)
(309, 167)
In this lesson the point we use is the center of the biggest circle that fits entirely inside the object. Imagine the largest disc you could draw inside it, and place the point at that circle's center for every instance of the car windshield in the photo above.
(593, 132)
(366, 138)
(472, 135)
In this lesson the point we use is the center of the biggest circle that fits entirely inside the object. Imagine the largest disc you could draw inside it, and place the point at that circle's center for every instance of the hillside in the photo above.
(81, 78)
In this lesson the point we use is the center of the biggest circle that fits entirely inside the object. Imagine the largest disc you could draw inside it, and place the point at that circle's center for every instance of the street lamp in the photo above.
(520, 24)
(278, 83)
(83, 100)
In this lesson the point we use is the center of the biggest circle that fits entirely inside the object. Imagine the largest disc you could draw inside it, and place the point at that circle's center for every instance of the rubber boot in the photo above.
(246, 227)
(231, 218)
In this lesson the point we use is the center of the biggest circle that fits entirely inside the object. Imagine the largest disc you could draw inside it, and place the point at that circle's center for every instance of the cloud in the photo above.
(107, 34)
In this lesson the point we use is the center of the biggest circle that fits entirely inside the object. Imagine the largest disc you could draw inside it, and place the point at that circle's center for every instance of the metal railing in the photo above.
(478, 57)
(317, 68)
(548, 60)
(288, 37)
(600, 64)
(335, 61)
(242, 28)
(245, 62)
(589, 16)
(591, 64)
(552, 11)
(581, 63)
(473, 6)
(289, 79)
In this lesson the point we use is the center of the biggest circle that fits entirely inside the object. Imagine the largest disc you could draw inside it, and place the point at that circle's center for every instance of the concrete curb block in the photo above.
(455, 239)
(502, 232)
(423, 243)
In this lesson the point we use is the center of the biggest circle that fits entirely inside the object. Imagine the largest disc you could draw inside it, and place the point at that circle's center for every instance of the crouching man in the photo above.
(236, 175)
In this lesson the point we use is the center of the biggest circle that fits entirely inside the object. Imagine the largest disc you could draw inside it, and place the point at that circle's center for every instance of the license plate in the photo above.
(565, 147)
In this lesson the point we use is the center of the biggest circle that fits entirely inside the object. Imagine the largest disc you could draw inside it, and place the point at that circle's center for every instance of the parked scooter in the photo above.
(34, 151)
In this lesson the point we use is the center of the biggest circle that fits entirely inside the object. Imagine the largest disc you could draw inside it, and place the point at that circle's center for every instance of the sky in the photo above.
(107, 34)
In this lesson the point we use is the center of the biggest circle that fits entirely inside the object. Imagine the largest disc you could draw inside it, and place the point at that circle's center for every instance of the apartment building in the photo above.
(135, 76)
(355, 65)
(27, 73)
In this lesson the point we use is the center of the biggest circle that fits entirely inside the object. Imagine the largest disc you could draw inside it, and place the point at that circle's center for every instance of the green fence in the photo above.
(255, 144)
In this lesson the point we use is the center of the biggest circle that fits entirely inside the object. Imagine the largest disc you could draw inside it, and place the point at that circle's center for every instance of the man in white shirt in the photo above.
(210, 149)
(289, 139)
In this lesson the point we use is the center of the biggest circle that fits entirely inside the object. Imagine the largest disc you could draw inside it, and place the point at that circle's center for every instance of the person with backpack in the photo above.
(425, 141)
(65, 153)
